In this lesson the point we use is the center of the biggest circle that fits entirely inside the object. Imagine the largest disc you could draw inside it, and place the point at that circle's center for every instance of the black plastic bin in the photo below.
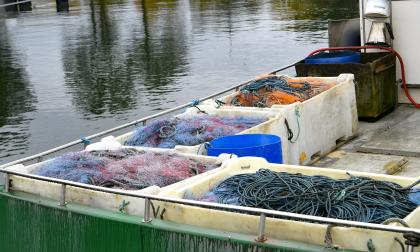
(375, 79)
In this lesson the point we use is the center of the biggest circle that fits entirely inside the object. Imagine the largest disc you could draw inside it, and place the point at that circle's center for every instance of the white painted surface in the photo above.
(377, 8)
(406, 27)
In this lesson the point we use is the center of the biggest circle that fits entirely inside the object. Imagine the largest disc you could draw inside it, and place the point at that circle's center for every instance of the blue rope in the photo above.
(275, 83)
(85, 141)
(356, 198)
(195, 102)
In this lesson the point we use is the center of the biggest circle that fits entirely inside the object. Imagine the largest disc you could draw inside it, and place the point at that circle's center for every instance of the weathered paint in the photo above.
(31, 223)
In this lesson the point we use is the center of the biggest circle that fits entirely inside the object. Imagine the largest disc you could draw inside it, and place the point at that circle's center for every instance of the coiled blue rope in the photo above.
(357, 198)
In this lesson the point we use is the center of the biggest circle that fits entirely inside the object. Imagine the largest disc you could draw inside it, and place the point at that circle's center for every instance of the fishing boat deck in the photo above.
(378, 144)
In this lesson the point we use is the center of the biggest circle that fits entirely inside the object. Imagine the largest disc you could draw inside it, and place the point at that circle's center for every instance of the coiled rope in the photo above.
(357, 198)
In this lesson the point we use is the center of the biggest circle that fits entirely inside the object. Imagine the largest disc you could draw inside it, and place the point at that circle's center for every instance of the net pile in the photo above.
(189, 131)
(127, 168)
(278, 90)
(356, 198)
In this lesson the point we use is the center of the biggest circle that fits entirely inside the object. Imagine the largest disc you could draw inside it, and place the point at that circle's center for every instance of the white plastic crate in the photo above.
(98, 199)
(274, 125)
(324, 120)
(280, 229)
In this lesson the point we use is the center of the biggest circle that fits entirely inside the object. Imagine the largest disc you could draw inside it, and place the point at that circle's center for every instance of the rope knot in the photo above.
(85, 141)
(195, 102)
(122, 208)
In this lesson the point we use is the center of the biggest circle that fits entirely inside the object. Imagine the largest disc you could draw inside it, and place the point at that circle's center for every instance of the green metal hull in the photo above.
(30, 223)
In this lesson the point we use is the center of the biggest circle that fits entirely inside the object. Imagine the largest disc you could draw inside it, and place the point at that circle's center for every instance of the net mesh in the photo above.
(278, 90)
(127, 168)
(189, 131)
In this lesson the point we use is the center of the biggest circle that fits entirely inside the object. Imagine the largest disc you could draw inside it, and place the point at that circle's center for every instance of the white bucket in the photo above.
(377, 9)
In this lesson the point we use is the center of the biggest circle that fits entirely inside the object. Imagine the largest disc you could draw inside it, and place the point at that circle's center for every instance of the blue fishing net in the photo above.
(189, 131)
(127, 168)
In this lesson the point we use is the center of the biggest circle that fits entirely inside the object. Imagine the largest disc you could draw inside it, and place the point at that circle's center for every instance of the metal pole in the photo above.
(15, 3)
(261, 229)
(410, 248)
(63, 195)
(285, 67)
(146, 217)
(7, 183)
(362, 22)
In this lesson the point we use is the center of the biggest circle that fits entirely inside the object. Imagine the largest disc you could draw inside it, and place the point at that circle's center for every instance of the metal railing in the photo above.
(15, 3)
(263, 213)
(143, 120)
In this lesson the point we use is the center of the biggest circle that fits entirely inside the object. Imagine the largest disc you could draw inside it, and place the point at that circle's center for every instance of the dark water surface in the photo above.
(107, 62)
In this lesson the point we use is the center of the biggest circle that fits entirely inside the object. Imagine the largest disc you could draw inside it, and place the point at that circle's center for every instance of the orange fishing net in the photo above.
(273, 90)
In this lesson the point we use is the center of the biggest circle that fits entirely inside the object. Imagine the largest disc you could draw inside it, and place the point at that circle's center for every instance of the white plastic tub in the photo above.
(274, 125)
(276, 229)
(101, 199)
(324, 120)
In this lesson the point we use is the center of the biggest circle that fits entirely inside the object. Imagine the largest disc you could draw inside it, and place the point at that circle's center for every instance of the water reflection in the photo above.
(109, 73)
(16, 99)
(225, 16)
(159, 53)
(94, 65)
(312, 16)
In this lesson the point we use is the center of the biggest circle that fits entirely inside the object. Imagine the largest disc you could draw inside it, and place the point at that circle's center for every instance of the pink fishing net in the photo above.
(127, 168)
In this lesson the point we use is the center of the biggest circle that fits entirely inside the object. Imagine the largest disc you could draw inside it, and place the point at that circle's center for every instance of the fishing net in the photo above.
(357, 198)
(189, 131)
(127, 168)
(278, 90)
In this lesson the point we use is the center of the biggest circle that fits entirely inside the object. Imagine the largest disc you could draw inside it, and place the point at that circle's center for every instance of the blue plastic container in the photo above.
(334, 58)
(248, 145)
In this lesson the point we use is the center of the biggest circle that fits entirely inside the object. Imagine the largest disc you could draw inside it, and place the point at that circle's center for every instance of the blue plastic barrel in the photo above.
(248, 145)
(334, 58)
